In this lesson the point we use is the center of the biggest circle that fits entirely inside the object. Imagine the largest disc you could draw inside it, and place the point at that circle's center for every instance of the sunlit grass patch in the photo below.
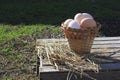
(8, 32)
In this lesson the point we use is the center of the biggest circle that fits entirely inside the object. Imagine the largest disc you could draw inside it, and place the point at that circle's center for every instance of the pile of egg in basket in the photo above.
(80, 21)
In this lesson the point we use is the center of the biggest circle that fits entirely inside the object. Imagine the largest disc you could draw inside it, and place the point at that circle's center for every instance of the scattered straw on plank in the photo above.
(60, 55)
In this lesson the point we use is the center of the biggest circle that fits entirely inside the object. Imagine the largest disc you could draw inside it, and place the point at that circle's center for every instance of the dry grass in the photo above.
(64, 58)
(17, 59)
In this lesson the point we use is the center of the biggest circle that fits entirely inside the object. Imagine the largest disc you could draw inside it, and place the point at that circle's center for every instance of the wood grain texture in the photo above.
(108, 51)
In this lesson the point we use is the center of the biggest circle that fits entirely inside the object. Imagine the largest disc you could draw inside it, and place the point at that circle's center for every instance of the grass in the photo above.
(17, 49)
(9, 32)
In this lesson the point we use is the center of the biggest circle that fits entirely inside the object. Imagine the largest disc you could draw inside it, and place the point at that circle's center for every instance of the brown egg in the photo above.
(87, 22)
(67, 22)
(79, 16)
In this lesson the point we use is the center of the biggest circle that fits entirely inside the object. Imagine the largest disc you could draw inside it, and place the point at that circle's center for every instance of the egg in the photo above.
(67, 21)
(88, 22)
(74, 24)
(86, 15)
(78, 17)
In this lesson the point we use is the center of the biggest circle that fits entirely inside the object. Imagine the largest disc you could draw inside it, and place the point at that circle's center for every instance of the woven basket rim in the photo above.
(65, 27)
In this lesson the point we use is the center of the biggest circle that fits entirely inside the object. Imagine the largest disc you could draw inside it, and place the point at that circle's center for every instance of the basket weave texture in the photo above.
(80, 40)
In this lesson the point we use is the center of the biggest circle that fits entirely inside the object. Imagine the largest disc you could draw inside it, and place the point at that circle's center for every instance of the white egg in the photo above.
(78, 17)
(88, 22)
(74, 24)
(67, 21)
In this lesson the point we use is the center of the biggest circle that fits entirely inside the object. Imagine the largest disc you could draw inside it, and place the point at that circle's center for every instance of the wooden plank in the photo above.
(48, 68)
(63, 75)
(105, 50)
(106, 46)
(106, 38)
(51, 40)
(64, 40)
(100, 42)
(110, 54)
(105, 60)
(97, 46)
(110, 66)
(106, 42)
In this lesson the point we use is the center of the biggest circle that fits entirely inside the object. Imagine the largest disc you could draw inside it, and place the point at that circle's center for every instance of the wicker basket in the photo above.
(80, 40)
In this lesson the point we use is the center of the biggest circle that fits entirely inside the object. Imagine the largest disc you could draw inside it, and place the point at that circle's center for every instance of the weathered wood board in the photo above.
(108, 57)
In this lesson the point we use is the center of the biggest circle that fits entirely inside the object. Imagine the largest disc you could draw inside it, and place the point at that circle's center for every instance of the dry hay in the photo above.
(60, 55)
